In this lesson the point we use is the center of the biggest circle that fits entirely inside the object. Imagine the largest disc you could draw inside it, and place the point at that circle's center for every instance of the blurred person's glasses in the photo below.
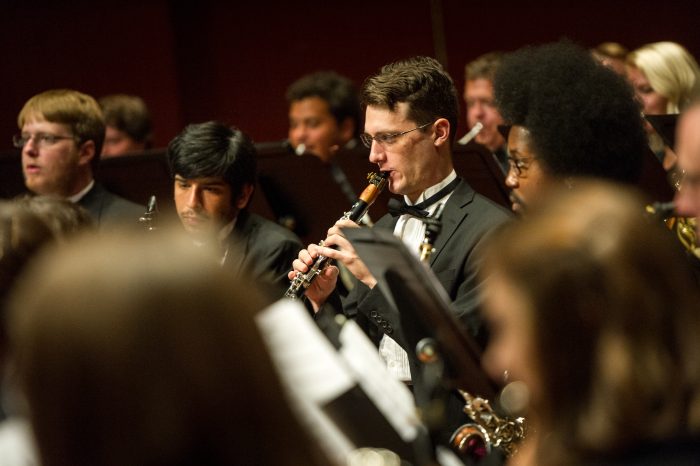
(385, 139)
(40, 139)
(519, 165)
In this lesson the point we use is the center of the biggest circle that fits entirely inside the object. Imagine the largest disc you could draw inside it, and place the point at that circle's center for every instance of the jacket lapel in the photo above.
(453, 215)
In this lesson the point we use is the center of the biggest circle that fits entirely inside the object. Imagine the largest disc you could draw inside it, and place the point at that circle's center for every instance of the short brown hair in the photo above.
(68, 107)
(484, 67)
(422, 83)
(128, 113)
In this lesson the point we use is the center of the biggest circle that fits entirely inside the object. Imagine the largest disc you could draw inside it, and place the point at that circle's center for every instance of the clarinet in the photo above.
(148, 219)
(302, 281)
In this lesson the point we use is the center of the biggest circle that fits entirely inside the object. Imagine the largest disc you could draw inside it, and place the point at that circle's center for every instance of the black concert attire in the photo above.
(261, 249)
(108, 209)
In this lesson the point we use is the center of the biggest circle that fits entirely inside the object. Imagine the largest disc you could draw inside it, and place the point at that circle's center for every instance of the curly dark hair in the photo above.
(582, 117)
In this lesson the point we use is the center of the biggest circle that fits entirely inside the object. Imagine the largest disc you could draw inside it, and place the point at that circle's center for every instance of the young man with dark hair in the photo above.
(324, 114)
(213, 168)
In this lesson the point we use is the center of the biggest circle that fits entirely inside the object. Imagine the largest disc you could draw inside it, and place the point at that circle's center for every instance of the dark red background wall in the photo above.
(233, 60)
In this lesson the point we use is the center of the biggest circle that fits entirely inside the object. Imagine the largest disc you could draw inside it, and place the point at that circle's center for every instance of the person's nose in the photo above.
(194, 198)
(478, 111)
(31, 147)
(512, 179)
(376, 153)
(298, 134)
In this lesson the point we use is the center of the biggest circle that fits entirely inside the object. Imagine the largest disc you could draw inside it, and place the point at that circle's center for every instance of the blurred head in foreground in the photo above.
(152, 356)
(593, 308)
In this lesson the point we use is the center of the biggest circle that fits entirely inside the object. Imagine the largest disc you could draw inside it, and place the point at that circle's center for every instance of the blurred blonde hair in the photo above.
(671, 70)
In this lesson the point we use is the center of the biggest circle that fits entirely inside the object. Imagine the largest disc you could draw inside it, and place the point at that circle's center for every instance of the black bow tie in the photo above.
(397, 207)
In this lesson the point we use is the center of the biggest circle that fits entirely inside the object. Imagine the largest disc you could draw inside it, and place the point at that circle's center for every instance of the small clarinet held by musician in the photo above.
(149, 218)
(302, 281)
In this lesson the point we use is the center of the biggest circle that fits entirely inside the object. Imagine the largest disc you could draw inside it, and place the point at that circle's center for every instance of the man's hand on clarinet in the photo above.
(345, 253)
(324, 284)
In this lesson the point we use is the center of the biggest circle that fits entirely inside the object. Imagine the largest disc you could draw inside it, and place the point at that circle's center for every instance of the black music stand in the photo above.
(425, 309)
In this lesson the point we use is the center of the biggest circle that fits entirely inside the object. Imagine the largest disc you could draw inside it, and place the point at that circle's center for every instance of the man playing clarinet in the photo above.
(411, 113)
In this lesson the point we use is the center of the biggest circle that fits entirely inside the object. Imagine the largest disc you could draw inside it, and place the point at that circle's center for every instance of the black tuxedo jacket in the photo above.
(263, 251)
(466, 219)
(108, 209)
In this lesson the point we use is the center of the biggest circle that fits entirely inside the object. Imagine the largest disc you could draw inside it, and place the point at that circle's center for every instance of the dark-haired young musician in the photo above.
(570, 116)
(324, 114)
(213, 168)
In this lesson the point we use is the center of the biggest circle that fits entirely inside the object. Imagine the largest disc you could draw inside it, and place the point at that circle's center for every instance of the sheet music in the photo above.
(389, 395)
(310, 369)
(315, 373)
(304, 355)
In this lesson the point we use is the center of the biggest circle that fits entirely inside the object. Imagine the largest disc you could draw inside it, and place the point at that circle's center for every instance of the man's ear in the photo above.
(244, 197)
(442, 131)
(86, 152)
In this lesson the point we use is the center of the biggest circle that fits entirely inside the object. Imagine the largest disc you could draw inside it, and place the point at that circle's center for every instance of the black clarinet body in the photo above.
(302, 281)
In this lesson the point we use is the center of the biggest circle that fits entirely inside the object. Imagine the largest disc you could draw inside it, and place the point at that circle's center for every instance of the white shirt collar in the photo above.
(76, 197)
(433, 189)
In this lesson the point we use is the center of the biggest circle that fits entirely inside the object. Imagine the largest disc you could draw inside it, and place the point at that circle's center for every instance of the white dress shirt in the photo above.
(411, 230)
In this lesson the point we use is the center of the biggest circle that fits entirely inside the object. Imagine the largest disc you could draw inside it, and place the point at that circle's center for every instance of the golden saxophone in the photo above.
(684, 227)
(475, 440)
(302, 281)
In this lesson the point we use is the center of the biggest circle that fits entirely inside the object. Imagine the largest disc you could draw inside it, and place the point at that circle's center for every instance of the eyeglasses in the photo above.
(41, 139)
(386, 139)
(519, 165)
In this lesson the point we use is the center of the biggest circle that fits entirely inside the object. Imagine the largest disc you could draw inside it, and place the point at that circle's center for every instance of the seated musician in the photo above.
(570, 116)
(128, 125)
(410, 121)
(481, 105)
(213, 168)
(61, 138)
(324, 114)
(324, 118)
(593, 312)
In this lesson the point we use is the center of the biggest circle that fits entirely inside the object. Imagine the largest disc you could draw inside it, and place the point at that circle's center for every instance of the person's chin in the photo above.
(395, 185)
(40, 186)
(517, 204)
(196, 226)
